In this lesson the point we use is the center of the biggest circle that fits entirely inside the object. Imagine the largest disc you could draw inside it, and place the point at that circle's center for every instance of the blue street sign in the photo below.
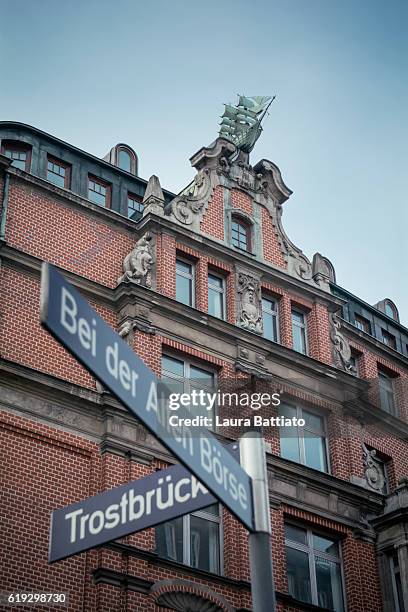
(70, 319)
(134, 506)
(121, 511)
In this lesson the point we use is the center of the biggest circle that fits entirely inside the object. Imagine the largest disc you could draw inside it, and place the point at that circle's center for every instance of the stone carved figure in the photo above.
(341, 347)
(138, 264)
(250, 315)
(373, 469)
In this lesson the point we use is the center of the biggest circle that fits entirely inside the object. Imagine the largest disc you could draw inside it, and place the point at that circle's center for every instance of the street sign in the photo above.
(134, 506)
(129, 508)
(70, 319)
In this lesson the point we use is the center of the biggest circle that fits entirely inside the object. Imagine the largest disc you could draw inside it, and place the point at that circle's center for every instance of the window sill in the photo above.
(300, 605)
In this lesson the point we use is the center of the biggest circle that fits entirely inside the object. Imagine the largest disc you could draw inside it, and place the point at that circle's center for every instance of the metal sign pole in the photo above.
(253, 460)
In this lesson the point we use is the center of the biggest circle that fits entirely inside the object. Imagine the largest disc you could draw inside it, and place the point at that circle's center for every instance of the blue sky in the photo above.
(156, 74)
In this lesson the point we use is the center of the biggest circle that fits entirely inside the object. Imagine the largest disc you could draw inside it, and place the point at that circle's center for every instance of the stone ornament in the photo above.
(192, 200)
(341, 346)
(373, 469)
(138, 264)
(249, 303)
(153, 201)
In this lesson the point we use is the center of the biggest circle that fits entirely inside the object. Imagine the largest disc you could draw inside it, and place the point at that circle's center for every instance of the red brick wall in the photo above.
(271, 248)
(242, 201)
(166, 264)
(22, 338)
(212, 222)
(73, 239)
(42, 469)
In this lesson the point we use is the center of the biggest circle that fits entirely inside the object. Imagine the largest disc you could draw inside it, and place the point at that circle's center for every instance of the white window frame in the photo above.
(274, 313)
(311, 552)
(221, 290)
(190, 277)
(300, 435)
(302, 326)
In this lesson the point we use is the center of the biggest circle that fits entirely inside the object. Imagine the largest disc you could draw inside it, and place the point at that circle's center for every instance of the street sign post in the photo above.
(70, 319)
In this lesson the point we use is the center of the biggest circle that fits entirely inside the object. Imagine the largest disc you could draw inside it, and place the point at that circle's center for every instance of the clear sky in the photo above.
(156, 73)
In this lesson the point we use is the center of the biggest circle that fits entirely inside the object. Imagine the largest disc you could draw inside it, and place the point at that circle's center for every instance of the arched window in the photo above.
(240, 234)
(390, 310)
(124, 160)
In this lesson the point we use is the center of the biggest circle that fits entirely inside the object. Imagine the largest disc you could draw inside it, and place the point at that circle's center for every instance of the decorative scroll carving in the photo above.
(249, 303)
(373, 469)
(138, 264)
(192, 200)
(341, 347)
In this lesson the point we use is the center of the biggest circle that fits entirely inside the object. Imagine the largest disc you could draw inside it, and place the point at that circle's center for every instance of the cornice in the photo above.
(323, 482)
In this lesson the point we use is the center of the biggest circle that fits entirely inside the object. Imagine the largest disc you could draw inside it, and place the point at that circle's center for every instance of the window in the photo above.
(389, 339)
(98, 191)
(270, 318)
(58, 172)
(185, 376)
(314, 568)
(185, 281)
(240, 234)
(307, 444)
(216, 295)
(387, 400)
(19, 152)
(299, 331)
(124, 160)
(391, 310)
(135, 206)
(396, 582)
(362, 324)
(193, 539)
(124, 157)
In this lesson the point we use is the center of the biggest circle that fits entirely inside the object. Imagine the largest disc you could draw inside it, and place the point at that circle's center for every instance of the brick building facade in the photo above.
(203, 284)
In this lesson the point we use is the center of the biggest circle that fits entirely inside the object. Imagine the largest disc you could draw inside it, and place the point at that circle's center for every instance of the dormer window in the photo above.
(123, 157)
(99, 191)
(19, 152)
(240, 234)
(390, 310)
(124, 160)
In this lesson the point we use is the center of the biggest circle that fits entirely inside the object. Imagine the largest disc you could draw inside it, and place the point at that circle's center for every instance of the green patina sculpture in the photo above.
(241, 124)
